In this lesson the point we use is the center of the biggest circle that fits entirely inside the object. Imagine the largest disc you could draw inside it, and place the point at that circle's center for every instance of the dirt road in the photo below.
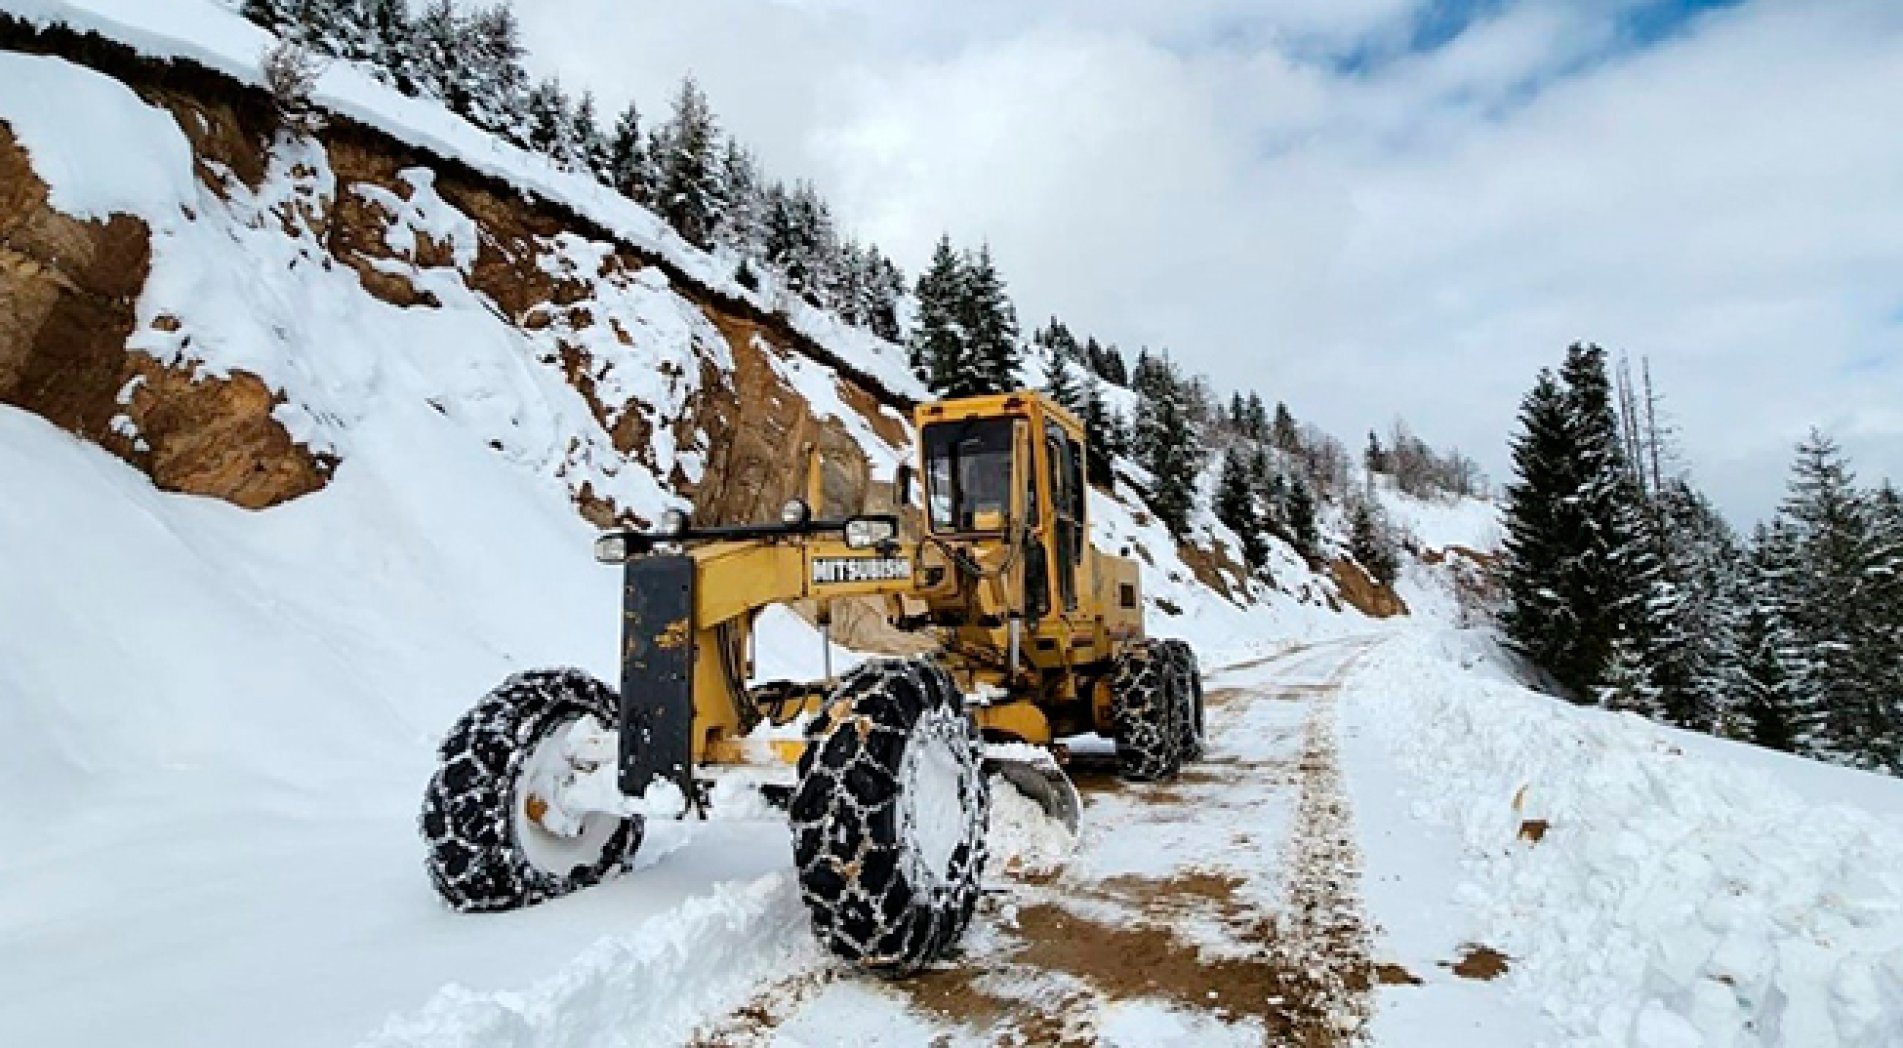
(1222, 908)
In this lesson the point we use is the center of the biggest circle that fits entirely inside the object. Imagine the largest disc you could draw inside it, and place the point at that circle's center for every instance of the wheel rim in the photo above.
(551, 850)
(934, 789)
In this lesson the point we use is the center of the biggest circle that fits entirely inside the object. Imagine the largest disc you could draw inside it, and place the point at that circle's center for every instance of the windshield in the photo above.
(968, 474)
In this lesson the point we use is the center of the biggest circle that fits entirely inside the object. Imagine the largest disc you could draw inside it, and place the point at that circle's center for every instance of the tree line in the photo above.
(1626, 585)
(964, 338)
(705, 183)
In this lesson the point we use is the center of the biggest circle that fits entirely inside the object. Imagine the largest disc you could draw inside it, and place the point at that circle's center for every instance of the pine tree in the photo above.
(437, 52)
(549, 124)
(588, 147)
(1304, 533)
(938, 344)
(1099, 422)
(990, 327)
(1538, 616)
(1283, 432)
(497, 83)
(687, 165)
(742, 225)
(1114, 370)
(1256, 418)
(1061, 386)
(1774, 715)
(1375, 458)
(1691, 610)
(391, 43)
(275, 15)
(888, 289)
(1238, 510)
(628, 170)
(1829, 609)
(1371, 543)
(1173, 461)
(1625, 683)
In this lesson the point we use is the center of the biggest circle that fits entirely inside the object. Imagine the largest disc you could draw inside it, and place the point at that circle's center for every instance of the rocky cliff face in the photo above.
(91, 342)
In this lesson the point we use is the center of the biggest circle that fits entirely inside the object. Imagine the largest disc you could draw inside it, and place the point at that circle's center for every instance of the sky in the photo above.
(1368, 209)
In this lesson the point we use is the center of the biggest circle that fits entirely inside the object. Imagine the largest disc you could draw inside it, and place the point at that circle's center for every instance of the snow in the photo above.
(246, 703)
(651, 986)
(214, 35)
(1680, 894)
(1149, 1024)
(134, 158)
(1439, 523)
(1021, 839)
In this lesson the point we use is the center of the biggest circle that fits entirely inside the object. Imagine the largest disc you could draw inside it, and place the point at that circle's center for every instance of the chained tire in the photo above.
(485, 853)
(1146, 700)
(1190, 731)
(889, 817)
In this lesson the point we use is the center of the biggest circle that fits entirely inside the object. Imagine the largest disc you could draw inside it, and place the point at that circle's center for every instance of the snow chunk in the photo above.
(649, 987)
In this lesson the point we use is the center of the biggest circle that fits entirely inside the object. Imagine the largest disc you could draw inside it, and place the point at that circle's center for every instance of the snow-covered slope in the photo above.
(1650, 886)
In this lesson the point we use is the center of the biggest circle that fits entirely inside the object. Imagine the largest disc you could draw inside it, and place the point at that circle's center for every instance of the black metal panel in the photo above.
(657, 672)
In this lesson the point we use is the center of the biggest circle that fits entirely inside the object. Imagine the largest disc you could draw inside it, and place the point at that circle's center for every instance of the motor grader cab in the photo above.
(885, 772)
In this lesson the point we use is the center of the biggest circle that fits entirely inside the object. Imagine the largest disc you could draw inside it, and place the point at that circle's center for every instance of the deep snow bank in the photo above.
(1683, 894)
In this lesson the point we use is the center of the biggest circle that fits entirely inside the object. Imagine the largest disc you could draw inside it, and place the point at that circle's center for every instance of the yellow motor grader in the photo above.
(544, 787)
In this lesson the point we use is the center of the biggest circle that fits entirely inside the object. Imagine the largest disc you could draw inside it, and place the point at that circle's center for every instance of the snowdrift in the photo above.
(1651, 886)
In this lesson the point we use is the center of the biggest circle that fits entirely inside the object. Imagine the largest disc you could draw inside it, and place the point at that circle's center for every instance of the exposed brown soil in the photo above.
(68, 291)
(1387, 973)
(1370, 597)
(1533, 830)
(1483, 963)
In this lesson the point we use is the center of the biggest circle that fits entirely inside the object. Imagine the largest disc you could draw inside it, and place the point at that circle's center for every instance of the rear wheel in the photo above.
(1146, 699)
(889, 817)
(492, 841)
(1189, 725)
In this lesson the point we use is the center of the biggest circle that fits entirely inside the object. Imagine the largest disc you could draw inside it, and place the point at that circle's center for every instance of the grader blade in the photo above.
(1035, 774)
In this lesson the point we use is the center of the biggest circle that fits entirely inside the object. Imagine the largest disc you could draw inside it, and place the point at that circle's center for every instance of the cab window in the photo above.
(968, 474)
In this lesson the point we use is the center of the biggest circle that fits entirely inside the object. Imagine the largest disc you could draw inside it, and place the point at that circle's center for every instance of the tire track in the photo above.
(1253, 951)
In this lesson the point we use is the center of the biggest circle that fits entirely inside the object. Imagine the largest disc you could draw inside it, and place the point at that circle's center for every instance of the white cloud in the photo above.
(1416, 237)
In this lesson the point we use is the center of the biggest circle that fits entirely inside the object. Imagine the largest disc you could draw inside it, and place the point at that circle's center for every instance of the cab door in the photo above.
(1062, 458)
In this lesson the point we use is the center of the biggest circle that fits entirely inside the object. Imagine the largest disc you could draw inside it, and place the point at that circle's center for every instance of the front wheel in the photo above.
(889, 817)
(492, 841)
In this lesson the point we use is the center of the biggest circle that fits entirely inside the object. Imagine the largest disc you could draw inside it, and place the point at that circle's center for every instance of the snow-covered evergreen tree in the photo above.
(1168, 446)
(1539, 616)
(497, 83)
(1062, 386)
(687, 161)
(1831, 609)
(1237, 508)
(438, 55)
(1283, 432)
(1298, 516)
(742, 224)
(1772, 714)
(937, 347)
(587, 147)
(548, 120)
(990, 326)
(391, 43)
(628, 169)
(1371, 540)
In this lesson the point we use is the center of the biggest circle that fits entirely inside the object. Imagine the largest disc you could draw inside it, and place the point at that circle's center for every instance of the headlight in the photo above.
(795, 513)
(673, 524)
(612, 548)
(866, 532)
